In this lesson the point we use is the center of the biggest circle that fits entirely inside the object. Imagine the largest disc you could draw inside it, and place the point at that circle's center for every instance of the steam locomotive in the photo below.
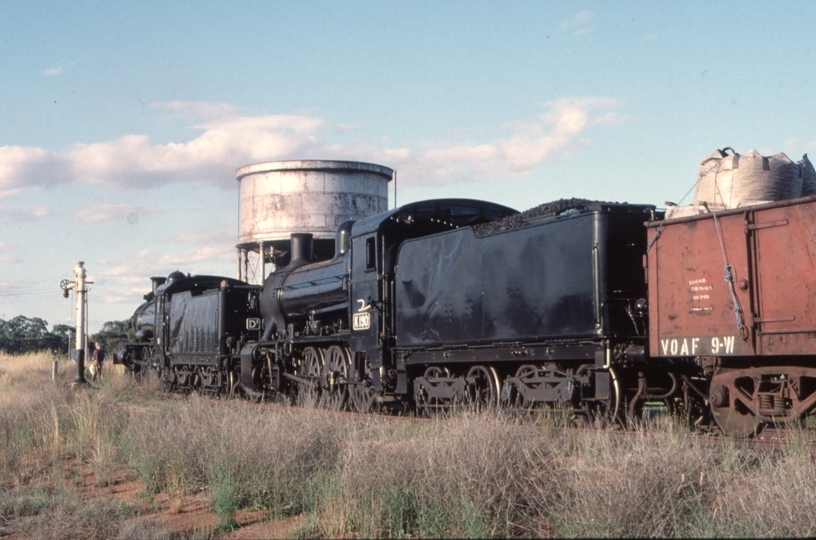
(575, 307)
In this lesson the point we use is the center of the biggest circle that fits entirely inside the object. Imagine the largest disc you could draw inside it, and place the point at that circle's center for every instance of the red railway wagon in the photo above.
(735, 292)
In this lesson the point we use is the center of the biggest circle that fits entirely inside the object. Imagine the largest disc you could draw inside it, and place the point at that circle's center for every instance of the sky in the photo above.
(122, 123)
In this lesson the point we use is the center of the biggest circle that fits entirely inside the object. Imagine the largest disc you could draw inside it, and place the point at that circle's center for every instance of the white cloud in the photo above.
(196, 109)
(7, 255)
(204, 237)
(101, 212)
(579, 22)
(50, 72)
(10, 193)
(226, 142)
(584, 16)
(22, 167)
(556, 134)
(123, 282)
(8, 247)
(28, 214)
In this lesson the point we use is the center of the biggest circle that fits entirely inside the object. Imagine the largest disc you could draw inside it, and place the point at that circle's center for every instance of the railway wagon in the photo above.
(735, 291)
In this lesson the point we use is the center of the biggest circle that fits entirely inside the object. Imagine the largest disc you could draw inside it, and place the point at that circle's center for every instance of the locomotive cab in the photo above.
(375, 244)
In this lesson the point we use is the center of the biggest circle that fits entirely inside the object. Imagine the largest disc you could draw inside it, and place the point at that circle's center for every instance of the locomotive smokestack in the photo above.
(301, 247)
(157, 282)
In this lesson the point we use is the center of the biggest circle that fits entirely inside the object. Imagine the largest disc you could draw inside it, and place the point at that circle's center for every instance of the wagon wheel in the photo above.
(310, 368)
(336, 370)
(736, 421)
(729, 408)
(482, 388)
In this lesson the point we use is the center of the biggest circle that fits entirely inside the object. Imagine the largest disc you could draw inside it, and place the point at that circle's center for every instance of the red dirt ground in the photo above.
(176, 512)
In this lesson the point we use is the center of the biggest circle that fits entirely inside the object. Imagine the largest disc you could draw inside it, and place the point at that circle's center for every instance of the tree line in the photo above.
(22, 335)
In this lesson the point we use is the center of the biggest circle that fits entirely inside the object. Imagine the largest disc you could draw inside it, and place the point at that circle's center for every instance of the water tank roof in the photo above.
(314, 165)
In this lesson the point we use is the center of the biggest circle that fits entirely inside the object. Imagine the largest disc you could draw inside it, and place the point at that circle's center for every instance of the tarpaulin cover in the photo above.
(194, 323)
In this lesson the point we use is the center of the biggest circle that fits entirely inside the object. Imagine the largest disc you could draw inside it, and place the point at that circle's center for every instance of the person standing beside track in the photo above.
(98, 357)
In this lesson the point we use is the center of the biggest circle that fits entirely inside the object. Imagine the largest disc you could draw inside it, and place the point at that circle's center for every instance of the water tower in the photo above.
(279, 198)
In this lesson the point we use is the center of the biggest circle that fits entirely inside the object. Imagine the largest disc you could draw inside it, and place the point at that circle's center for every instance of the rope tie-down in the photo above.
(728, 271)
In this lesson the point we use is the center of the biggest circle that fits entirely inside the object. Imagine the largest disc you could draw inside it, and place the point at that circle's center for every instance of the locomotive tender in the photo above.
(426, 306)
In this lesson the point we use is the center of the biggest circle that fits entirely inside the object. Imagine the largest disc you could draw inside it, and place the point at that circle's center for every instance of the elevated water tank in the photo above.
(279, 198)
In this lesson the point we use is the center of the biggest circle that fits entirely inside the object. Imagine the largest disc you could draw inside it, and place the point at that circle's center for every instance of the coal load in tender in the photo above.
(523, 218)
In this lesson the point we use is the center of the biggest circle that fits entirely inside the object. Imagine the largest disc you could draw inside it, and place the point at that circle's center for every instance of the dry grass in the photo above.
(471, 475)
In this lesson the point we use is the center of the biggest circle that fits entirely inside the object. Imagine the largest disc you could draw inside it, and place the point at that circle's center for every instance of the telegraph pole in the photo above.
(81, 341)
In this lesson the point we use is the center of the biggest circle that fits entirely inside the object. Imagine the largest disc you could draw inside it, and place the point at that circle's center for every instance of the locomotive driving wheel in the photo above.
(336, 371)
(360, 388)
(310, 368)
(362, 397)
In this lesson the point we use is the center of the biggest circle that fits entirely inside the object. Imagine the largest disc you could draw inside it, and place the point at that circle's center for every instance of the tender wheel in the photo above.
(336, 371)
(517, 399)
(482, 388)
(424, 405)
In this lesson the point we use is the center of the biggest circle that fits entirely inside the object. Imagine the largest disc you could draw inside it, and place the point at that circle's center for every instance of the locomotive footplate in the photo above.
(504, 352)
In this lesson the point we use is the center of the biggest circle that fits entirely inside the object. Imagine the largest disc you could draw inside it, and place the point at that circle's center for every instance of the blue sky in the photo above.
(122, 123)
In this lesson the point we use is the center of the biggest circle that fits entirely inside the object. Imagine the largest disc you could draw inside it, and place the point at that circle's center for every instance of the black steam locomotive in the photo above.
(426, 306)
(574, 306)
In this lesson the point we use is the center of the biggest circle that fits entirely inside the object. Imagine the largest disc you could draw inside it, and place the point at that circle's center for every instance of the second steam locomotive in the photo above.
(576, 306)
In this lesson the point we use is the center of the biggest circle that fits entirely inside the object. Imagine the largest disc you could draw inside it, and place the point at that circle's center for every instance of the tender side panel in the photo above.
(691, 308)
(523, 284)
(194, 323)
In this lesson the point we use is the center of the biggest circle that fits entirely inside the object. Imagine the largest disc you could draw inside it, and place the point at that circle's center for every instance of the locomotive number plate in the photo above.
(361, 321)
(700, 345)
(253, 323)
